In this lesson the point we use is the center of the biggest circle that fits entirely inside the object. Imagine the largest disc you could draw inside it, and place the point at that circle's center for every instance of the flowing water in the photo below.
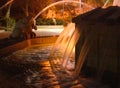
(67, 39)
(70, 49)
(65, 43)
(84, 51)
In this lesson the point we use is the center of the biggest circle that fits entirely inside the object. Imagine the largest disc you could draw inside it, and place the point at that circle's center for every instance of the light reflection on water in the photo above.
(33, 53)
(38, 54)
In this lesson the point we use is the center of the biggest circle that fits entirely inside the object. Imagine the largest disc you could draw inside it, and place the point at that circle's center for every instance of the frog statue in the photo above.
(23, 28)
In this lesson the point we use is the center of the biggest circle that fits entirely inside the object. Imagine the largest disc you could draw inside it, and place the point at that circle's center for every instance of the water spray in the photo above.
(106, 3)
(82, 3)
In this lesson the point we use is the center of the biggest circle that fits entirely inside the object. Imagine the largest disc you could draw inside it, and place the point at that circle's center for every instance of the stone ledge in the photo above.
(27, 43)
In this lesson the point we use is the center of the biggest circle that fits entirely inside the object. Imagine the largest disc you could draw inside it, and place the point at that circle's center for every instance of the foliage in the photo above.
(7, 23)
(10, 23)
(44, 21)
(60, 22)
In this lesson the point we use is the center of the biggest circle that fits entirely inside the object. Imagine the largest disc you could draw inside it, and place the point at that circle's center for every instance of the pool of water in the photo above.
(33, 68)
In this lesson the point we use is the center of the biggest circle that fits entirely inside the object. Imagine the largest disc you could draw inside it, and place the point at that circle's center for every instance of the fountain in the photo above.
(68, 37)
(95, 42)
(97, 49)
(27, 57)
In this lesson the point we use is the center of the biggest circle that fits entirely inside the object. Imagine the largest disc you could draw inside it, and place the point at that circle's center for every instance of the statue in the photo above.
(23, 28)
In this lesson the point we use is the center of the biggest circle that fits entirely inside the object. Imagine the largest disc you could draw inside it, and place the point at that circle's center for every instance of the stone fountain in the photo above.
(97, 53)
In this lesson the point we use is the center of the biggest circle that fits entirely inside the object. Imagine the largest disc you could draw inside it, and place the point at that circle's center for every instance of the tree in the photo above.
(28, 7)
(8, 22)
(95, 3)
